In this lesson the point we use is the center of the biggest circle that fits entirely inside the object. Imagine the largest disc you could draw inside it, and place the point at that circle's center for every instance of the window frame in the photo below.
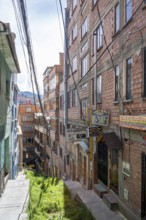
(128, 83)
(117, 17)
(74, 32)
(127, 17)
(99, 89)
(117, 80)
(83, 109)
(84, 65)
(84, 28)
(74, 97)
(74, 64)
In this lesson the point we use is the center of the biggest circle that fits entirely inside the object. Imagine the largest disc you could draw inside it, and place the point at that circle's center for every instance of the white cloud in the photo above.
(45, 34)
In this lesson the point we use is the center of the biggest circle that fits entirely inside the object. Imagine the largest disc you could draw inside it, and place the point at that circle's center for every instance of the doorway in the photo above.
(102, 162)
(143, 186)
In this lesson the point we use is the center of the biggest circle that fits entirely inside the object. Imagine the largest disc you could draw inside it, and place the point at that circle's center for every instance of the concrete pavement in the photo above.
(93, 202)
(14, 200)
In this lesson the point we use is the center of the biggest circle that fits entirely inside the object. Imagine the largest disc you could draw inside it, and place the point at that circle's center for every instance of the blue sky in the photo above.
(45, 33)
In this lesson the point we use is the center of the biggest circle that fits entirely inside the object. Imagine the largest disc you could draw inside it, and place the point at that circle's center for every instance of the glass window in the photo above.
(62, 102)
(28, 109)
(74, 32)
(128, 10)
(84, 66)
(83, 108)
(74, 97)
(117, 18)
(99, 37)
(129, 79)
(99, 89)
(94, 2)
(74, 64)
(74, 3)
(84, 28)
(117, 72)
(52, 83)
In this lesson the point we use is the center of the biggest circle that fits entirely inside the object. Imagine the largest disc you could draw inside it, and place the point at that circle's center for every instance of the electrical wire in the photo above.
(83, 116)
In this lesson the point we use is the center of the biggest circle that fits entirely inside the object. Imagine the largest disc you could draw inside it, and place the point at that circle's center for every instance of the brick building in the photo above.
(53, 77)
(27, 122)
(105, 77)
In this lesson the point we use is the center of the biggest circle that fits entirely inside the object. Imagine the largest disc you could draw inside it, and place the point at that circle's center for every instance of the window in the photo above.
(84, 66)
(117, 72)
(84, 47)
(83, 108)
(117, 17)
(94, 2)
(74, 3)
(62, 129)
(69, 41)
(74, 32)
(128, 10)
(68, 69)
(84, 28)
(68, 15)
(99, 89)
(52, 83)
(27, 128)
(60, 152)
(28, 140)
(84, 86)
(144, 60)
(129, 79)
(74, 64)
(62, 102)
(99, 37)
(67, 159)
(7, 88)
(27, 118)
(28, 109)
(69, 99)
(74, 97)
(93, 91)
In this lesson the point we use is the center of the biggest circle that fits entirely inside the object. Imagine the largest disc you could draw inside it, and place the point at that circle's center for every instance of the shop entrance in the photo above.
(102, 162)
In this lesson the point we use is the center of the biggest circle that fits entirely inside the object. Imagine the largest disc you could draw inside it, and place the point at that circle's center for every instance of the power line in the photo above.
(84, 120)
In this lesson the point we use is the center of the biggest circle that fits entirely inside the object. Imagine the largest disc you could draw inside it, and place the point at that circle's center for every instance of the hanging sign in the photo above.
(101, 117)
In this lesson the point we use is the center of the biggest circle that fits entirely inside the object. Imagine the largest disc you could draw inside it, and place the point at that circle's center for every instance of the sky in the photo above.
(47, 38)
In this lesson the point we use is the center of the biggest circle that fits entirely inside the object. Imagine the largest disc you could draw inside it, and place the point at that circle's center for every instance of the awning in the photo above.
(112, 141)
(83, 145)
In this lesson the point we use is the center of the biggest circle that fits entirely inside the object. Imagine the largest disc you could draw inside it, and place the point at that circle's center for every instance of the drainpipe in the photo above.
(65, 87)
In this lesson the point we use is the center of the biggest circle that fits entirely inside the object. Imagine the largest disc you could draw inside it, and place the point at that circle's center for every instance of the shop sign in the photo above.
(136, 122)
(101, 117)
(93, 131)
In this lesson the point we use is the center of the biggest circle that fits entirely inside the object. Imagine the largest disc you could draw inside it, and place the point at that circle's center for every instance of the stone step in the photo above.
(110, 201)
(99, 189)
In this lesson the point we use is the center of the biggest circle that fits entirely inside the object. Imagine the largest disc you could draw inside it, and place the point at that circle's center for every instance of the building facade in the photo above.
(104, 86)
(9, 66)
(27, 123)
(53, 77)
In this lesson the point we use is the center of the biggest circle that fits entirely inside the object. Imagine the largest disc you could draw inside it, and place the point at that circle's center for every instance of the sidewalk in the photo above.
(14, 199)
(93, 202)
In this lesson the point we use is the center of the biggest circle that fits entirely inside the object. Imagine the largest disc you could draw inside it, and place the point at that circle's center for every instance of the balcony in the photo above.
(37, 140)
(137, 122)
